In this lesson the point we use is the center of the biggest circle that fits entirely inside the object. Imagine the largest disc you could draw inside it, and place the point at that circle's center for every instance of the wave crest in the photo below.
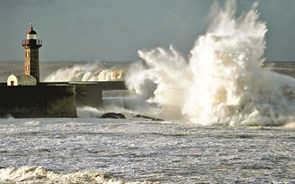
(86, 72)
(222, 81)
(30, 174)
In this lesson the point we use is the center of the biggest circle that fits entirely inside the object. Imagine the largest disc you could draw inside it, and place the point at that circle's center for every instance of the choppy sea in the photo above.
(90, 150)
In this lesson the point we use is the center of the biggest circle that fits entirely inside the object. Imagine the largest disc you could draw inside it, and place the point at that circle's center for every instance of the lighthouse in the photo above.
(31, 46)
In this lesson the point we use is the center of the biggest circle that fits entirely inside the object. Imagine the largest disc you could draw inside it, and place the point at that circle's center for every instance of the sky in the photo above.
(114, 30)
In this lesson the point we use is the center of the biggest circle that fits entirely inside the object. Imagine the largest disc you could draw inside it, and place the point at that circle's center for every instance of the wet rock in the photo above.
(113, 115)
(147, 117)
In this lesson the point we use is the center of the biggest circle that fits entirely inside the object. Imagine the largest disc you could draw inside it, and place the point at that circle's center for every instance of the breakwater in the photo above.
(37, 101)
(55, 99)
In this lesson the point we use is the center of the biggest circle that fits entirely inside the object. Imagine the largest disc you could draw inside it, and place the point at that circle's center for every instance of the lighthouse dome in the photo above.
(31, 31)
(31, 34)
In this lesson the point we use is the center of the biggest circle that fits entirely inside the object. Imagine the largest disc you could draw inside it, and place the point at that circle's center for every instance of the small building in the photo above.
(21, 80)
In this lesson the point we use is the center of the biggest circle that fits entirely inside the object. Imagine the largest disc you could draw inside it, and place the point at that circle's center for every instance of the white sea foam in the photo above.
(32, 123)
(290, 125)
(85, 72)
(84, 112)
(222, 81)
(30, 174)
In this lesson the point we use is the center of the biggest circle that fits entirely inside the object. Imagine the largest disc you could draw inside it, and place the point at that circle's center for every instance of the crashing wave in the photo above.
(30, 174)
(86, 72)
(221, 81)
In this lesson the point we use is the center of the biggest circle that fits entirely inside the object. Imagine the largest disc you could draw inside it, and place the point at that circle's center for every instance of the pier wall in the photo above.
(90, 93)
(37, 101)
(56, 99)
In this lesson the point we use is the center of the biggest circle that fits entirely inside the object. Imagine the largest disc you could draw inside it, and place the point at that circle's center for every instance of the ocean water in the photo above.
(226, 118)
(135, 150)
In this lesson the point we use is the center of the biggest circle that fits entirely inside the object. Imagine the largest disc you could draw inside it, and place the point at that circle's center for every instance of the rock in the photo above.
(147, 117)
(113, 115)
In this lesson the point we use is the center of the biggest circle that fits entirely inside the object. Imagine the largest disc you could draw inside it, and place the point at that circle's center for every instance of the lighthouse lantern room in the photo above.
(31, 46)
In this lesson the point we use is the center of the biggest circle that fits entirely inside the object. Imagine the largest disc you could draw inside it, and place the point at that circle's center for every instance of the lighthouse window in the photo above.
(27, 68)
(31, 36)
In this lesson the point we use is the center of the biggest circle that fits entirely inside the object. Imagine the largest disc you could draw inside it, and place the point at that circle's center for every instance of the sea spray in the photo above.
(222, 80)
(31, 174)
(86, 72)
(156, 81)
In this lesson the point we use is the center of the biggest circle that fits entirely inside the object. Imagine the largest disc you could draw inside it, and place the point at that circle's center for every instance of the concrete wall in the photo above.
(285, 68)
(57, 99)
(37, 101)
(90, 93)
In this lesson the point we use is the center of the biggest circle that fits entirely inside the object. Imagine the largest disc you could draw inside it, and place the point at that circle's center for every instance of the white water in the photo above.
(32, 174)
(85, 72)
(221, 81)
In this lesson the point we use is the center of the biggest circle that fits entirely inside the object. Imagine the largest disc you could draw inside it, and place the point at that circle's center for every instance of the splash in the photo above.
(222, 81)
(86, 72)
(31, 174)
